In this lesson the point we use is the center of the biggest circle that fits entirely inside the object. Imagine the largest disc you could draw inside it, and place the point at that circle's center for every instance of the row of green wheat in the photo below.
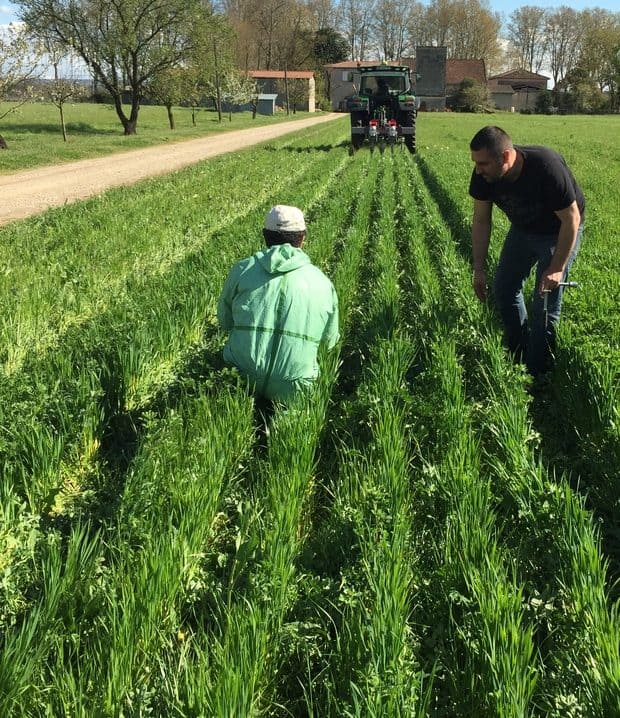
(465, 578)
(580, 423)
(529, 580)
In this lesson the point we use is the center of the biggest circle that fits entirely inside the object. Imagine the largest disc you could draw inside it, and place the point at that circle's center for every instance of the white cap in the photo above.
(283, 218)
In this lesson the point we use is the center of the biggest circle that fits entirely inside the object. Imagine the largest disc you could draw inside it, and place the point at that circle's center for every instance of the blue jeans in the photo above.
(529, 340)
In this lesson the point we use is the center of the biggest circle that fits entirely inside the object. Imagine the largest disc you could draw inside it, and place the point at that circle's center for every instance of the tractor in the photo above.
(383, 110)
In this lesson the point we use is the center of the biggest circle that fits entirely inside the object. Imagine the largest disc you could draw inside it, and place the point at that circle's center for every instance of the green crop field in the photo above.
(421, 538)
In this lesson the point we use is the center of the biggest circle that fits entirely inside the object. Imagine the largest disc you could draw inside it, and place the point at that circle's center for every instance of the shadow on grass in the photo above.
(78, 128)
(577, 442)
(124, 429)
(306, 150)
(448, 209)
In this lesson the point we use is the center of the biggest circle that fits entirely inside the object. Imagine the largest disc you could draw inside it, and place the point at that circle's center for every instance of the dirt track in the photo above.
(27, 193)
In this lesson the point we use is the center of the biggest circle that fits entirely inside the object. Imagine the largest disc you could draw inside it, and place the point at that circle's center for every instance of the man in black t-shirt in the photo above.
(536, 190)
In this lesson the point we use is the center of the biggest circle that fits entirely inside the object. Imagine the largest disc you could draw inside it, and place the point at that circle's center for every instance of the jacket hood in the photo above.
(281, 258)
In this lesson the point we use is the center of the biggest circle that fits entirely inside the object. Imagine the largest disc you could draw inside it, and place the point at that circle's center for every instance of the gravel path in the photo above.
(30, 192)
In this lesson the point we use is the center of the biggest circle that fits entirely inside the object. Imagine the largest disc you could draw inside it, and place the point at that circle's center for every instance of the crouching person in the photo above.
(279, 308)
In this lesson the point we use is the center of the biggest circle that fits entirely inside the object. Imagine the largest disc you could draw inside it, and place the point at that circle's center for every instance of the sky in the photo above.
(8, 12)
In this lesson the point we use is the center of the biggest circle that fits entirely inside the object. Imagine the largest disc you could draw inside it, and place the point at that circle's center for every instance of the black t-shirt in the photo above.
(545, 185)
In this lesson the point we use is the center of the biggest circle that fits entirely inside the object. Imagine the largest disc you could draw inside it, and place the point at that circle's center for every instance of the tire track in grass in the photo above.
(548, 533)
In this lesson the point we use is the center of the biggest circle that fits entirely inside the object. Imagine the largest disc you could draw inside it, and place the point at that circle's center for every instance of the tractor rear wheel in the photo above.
(357, 120)
(407, 119)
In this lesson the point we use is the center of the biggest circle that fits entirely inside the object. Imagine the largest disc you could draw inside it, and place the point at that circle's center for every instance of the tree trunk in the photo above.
(128, 127)
(170, 117)
(218, 91)
(62, 122)
(286, 88)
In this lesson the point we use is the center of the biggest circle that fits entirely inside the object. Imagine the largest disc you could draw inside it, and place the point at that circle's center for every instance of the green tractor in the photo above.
(384, 109)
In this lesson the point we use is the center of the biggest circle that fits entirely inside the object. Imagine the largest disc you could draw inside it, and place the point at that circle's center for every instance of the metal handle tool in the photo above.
(546, 297)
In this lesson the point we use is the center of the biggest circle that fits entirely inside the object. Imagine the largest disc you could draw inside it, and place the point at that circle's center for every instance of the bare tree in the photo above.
(322, 13)
(528, 41)
(121, 42)
(418, 26)
(475, 31)
(19, 65)
(391, 26)
(441, 20)
(356, 25)
(563, 29)
(468, 28)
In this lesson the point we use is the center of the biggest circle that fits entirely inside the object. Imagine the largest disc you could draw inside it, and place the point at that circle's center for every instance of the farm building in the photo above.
(516, 88)
(301, 87)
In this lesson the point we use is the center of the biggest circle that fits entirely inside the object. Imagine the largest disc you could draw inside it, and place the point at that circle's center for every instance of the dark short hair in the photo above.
(491, 138)
(272, 237)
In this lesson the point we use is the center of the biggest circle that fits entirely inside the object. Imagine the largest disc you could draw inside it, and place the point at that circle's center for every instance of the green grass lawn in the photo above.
(34, 136)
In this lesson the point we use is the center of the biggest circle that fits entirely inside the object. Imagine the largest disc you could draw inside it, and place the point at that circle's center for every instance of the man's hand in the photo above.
(550, 281)
(480, 236)
(480, 284)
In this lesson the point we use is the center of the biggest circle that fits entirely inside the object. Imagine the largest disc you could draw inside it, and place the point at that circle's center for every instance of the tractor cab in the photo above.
(383, 84)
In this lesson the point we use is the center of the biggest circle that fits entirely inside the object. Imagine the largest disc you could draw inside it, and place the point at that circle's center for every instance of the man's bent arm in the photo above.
(570, 219)
(224, 304)
(480, 237)
(331, 333)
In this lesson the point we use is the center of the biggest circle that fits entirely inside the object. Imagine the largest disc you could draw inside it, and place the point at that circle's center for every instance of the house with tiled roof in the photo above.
(516, 89)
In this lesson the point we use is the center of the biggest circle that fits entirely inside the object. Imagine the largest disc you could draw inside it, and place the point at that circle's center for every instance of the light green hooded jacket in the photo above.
(279, 308)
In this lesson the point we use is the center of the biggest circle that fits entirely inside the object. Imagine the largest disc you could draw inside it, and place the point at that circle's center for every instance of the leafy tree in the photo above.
(584, 93)
(212, 57)
(20, 63)
(61, 89)
(544, 102)
(239, 89)
(169, 89)
(601, 38)
(126, 45)
(328, 47)
(473, 96)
